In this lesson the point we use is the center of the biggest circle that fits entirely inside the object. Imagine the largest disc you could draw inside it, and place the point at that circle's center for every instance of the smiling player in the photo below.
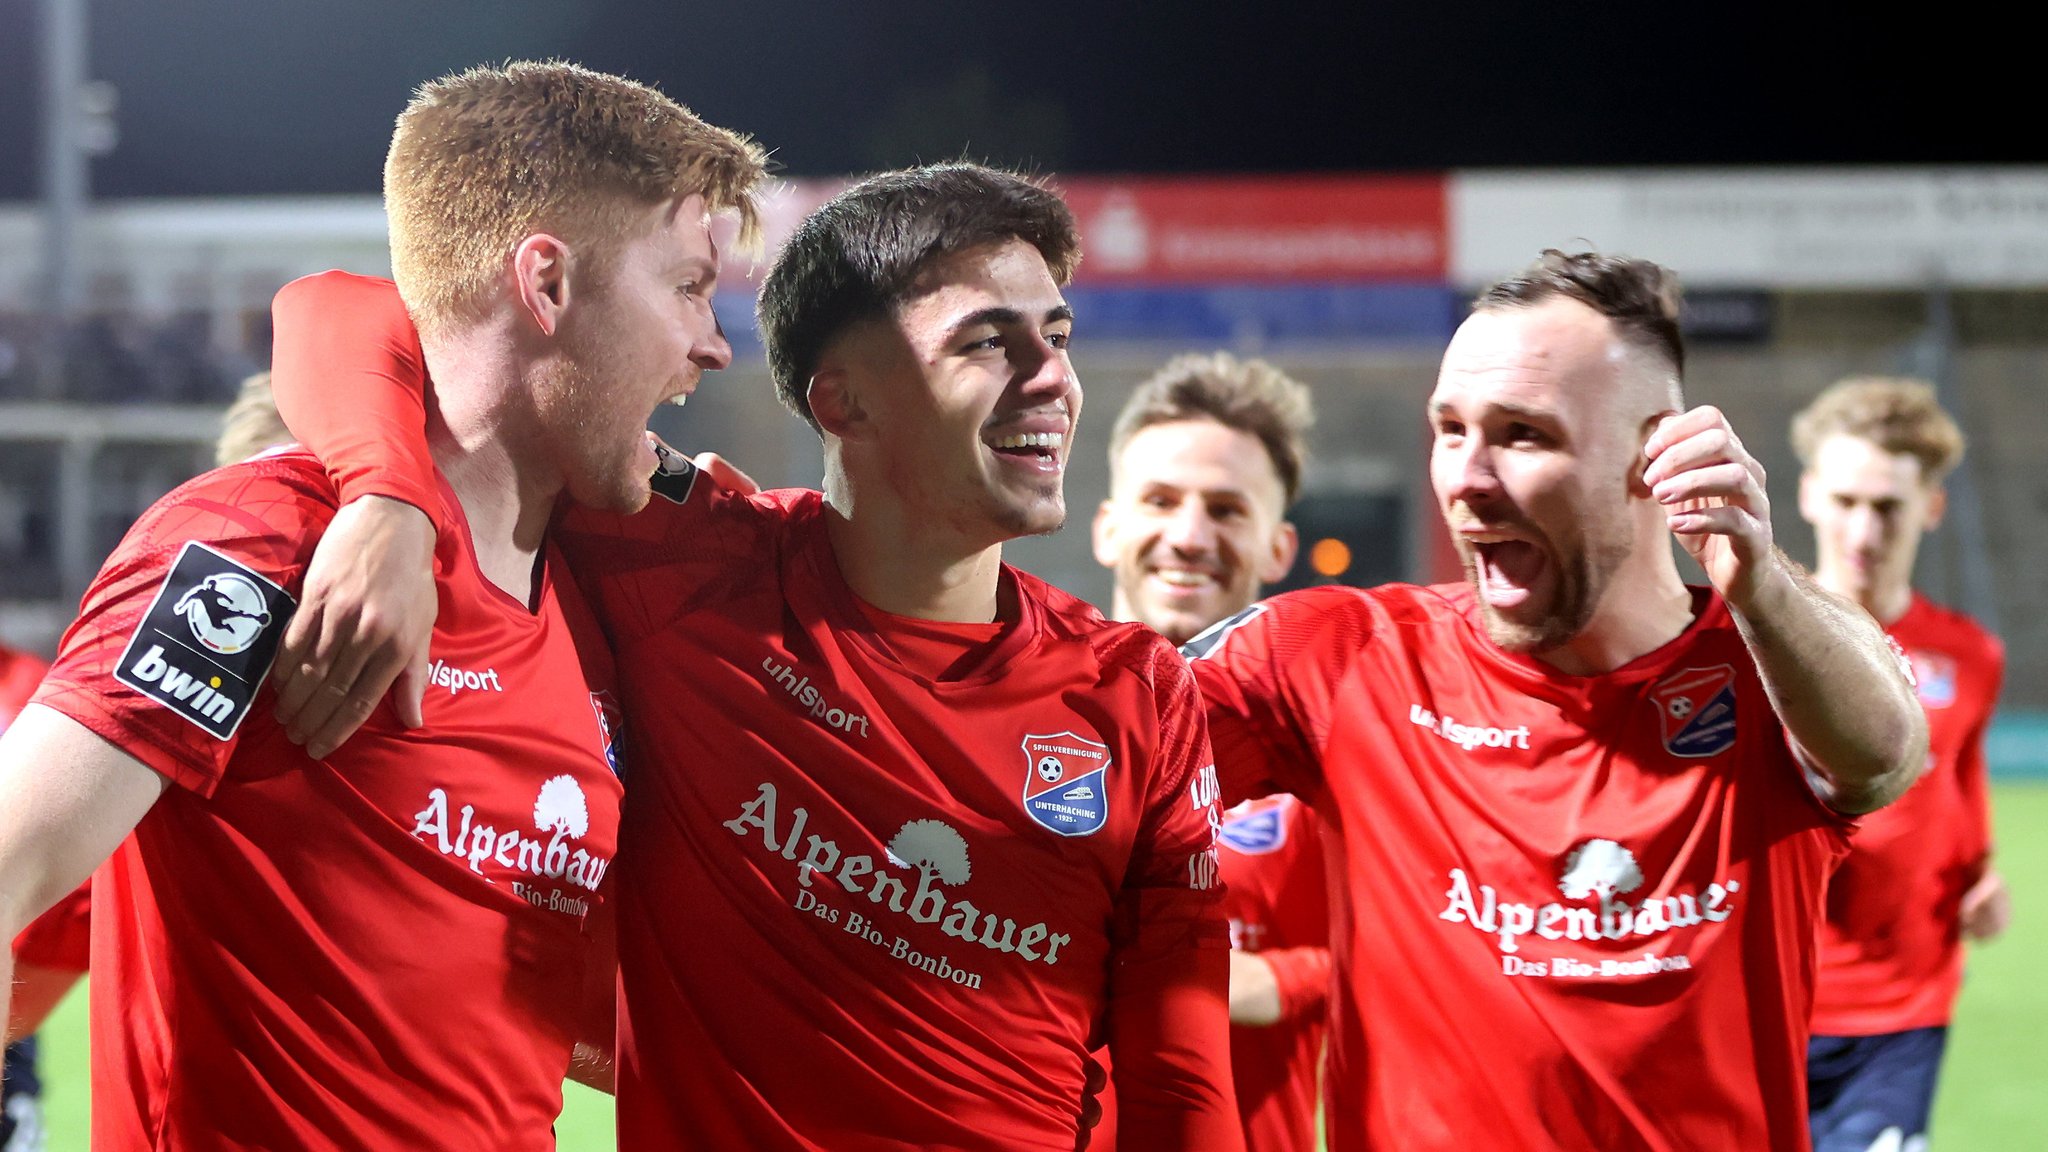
(948, 828)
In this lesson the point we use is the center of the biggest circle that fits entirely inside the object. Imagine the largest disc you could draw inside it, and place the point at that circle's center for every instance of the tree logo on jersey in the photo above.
(934, 849)
(227, 612)
(1599, 868)
(1064, 788)
(674, 475)
(1696, 708)
(1254, 828)
(1934, 678)
(561, 808)
(206, 642)
(609, 719)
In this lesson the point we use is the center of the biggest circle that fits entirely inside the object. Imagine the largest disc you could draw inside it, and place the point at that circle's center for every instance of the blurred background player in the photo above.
(52, 953)
(1204, 461)
(1582, 861)
(945, 821)
(251, 424)
(1918, 880)
(425, 895)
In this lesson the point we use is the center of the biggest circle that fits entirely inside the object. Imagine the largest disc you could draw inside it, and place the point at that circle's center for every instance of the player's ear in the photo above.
(540, 280)
(1937, 506)
(1648, 428)
(1280, 553)
(835, 403)
(1812, 501)
(1102, 534)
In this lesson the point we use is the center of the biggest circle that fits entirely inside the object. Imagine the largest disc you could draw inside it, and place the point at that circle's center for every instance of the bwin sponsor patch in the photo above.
(1697, 710)
(207, 641)
(1064, 788)
(674, 475)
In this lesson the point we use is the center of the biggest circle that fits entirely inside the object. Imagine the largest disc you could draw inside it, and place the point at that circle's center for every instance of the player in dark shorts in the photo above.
(1918, 880)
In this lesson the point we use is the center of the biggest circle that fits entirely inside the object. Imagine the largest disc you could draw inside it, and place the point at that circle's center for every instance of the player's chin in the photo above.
(623, 491)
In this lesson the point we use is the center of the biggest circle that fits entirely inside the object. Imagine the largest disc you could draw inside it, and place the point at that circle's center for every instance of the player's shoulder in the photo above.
(1339, 618)
(280, 497)
(1956, 630)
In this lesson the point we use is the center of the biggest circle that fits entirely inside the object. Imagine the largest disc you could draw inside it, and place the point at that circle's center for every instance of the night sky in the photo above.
(291, 96)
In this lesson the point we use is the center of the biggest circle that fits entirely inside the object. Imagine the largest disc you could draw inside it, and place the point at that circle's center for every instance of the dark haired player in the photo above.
(909, 831)
(1582, 813)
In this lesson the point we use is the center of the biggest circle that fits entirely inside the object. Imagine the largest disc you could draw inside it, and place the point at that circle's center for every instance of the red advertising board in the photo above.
(1215, 229)
(1205, 229)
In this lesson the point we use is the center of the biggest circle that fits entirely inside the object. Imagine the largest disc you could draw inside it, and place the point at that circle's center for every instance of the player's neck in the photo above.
(1886, 601)
(1646, 605)
(486, 448)
(908, 568)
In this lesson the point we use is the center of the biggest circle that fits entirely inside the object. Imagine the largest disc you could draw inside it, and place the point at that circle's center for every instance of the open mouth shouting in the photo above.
(1511, 570)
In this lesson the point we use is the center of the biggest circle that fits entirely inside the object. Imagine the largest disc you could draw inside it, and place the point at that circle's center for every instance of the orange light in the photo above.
(1330, 557)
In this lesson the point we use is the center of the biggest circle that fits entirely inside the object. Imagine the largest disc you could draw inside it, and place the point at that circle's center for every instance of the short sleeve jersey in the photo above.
(1891, 955)
(862, 907)
(1572, 912)
(1275, 896)
(384, 949)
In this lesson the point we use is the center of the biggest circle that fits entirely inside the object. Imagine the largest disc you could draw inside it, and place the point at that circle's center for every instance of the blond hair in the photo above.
(484, 158)
(1250, 396)
(251, 424)
(1899, 415)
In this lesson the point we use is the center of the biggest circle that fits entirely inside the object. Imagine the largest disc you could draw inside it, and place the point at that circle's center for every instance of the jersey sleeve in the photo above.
(172, 647)
(61, 938)
(1169, 1008)
(1303, 977)
(1267, 676)
(350, 381)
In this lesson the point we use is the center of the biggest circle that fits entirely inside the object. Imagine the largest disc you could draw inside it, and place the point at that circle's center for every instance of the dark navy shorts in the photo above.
(1867, 1092)
(21, 1115)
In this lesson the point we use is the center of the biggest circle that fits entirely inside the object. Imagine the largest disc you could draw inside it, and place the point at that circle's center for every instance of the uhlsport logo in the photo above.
(227, 612)
(1696, 709)
(207, 640)
(1255, 828)
(1064, 787)
(1595, 878)
(561, 815)
(893, 903)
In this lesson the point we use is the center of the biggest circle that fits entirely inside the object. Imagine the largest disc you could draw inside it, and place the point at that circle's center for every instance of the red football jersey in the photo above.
(865, 906)
(385, 949)
(1275, 896)
(1571, 912)
(1891, 955)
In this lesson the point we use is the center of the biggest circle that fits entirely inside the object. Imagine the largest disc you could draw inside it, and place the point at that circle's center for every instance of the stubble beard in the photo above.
(1585, 567)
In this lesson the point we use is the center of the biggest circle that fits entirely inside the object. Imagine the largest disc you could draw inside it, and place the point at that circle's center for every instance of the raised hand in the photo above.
(1712, 491)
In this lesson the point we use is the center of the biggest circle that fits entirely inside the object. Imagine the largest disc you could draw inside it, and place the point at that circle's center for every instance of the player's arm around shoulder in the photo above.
(1837, 682)
(1169, 1009)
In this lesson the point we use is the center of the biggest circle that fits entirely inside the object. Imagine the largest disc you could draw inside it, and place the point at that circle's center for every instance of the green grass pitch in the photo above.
(1990, 1098)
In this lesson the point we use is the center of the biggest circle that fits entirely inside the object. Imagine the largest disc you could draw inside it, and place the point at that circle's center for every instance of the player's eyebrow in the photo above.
(1000, 317)
(1513, 408)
